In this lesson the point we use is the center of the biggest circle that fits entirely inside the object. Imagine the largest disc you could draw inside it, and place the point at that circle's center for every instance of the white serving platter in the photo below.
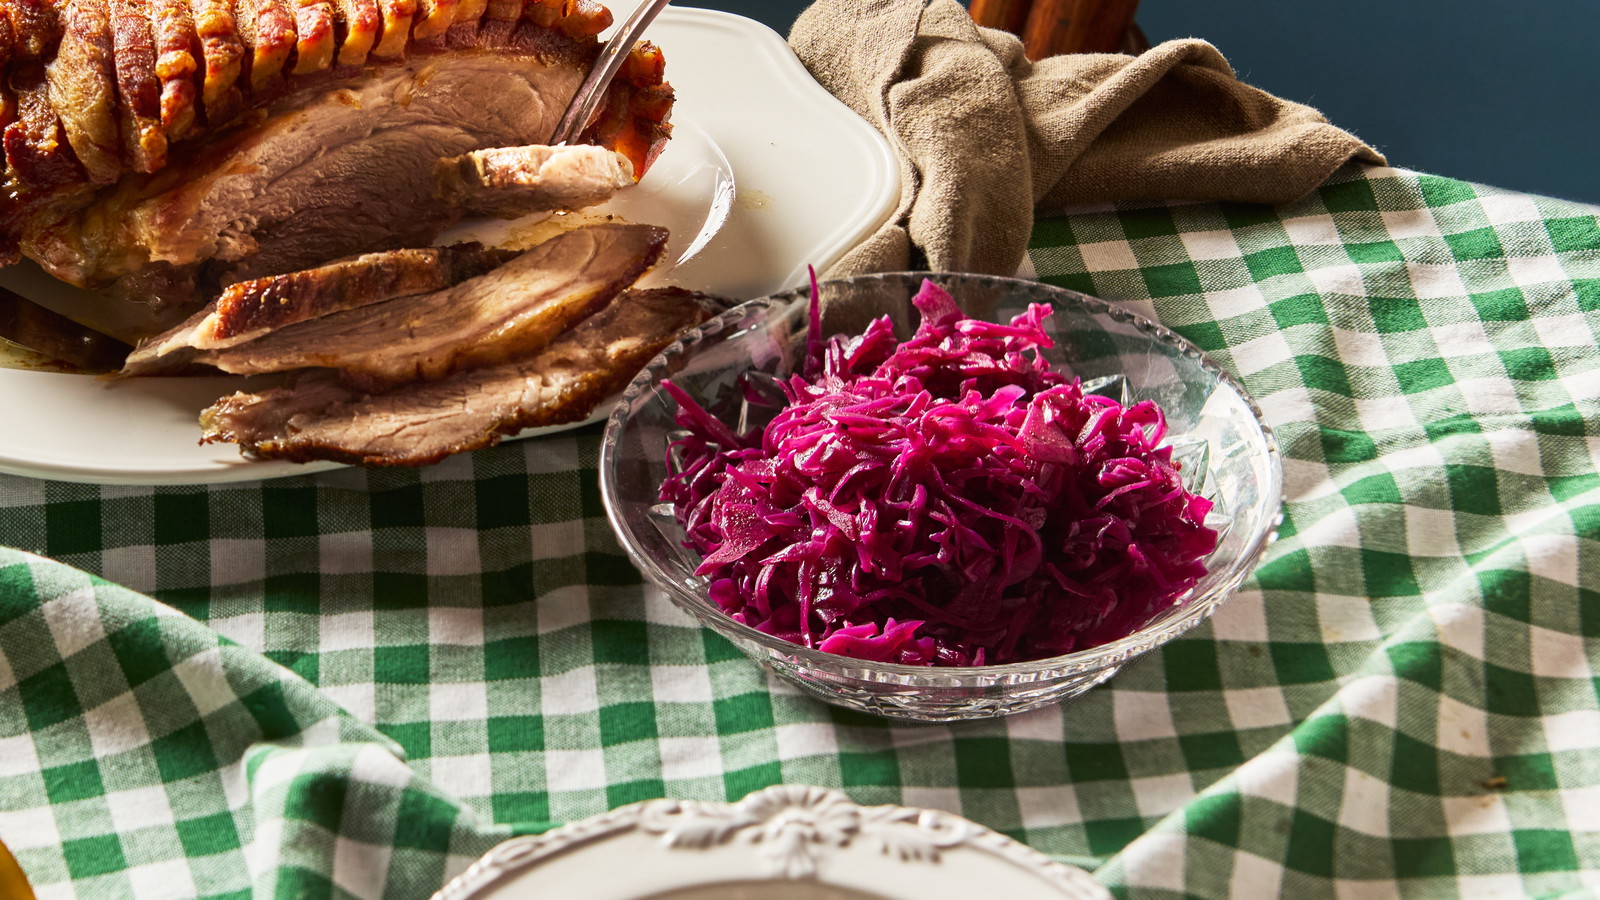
(769, 173)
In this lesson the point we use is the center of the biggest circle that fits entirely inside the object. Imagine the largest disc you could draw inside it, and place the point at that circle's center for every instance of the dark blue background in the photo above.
(1505, 94)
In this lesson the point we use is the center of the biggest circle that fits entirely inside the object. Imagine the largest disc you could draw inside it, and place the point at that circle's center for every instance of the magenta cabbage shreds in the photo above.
(946, 501)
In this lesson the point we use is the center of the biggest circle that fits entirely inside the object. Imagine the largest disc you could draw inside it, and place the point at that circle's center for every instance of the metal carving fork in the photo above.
(587, 100)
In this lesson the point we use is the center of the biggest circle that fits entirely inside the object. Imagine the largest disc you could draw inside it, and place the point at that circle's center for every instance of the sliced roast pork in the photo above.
(315, 37)
(37, 153)
(333, 174)
(138, 86)
(249, 309)
(176, 46)
(162, 149)
(511, 181)
(510, 312)
(83, 90)
(159, 151)
(269, 36)
(320, 417)
(222, 56)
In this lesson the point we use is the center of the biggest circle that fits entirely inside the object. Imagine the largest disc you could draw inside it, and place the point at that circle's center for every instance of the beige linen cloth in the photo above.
(984, 135)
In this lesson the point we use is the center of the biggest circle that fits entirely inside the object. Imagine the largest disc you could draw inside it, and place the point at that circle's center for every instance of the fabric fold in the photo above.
(137, 717)
(984, 135)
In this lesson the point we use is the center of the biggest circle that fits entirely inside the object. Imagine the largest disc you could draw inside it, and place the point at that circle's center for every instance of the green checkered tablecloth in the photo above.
(352, 683)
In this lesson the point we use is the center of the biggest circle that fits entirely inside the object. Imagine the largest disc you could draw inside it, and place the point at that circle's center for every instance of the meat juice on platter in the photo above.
(951, 500)
(264, 183)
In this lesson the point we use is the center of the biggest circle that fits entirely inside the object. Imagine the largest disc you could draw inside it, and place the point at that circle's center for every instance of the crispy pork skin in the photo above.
(250, 309)
(176, 65)
(329, 174)
(138, 85)
(161, 149)
(222, 57)
(319, 417)
(511, 181)
(83, 89)
(510, 312)
(284, 159)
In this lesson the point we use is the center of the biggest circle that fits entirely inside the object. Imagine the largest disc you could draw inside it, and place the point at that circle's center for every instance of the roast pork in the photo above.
(163, 149)
(508, 313)
(293, 161)
(250, 309)
(319, 416)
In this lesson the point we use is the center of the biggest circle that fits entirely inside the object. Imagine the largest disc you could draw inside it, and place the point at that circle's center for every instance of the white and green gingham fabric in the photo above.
(350, 684)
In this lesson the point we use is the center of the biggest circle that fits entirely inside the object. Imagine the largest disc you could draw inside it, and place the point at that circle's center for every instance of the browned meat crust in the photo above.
(222, 53)
(82, 80)
(35, 28)
(360, 21)
(434, 17)
(315, 39)
(250, 309)
(138, 86)
(468, 14)
(38, 159)
(267, 28)
(397, 16)
(128, 83)
(177, 46)
(320, 418)
(514, 310)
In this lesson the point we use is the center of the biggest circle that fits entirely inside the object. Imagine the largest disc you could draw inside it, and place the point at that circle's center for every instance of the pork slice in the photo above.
(83, 89)
(397, 17)
(315, 36)
(320, 417)
(512, 181)
(332, 172)
(222, 55)
(37, 155)
(434, 17)
(138, 86)
(177, 47)
(360, 22)
(510, 312)
(35, 27)
(267, 28)
(250, 309)
(584, 17)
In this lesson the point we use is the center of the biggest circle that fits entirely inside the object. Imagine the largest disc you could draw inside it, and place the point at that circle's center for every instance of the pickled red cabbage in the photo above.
(951, 500)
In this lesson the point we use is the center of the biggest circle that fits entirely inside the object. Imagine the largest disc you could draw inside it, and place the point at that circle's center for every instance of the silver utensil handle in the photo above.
(586, 101)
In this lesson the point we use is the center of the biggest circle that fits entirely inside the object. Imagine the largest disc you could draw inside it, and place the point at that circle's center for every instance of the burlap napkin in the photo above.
(984, 135)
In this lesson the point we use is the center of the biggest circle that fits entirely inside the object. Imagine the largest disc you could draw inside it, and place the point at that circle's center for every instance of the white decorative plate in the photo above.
(771, 174)
(789, 841)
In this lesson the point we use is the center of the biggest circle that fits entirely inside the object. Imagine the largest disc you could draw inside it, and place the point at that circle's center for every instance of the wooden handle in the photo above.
(1076, 26)
(1010, 15)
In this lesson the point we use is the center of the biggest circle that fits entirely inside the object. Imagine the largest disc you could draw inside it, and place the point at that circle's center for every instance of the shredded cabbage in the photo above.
(951, 500)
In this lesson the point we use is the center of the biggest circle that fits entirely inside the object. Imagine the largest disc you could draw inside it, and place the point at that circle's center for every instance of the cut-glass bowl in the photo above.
(1226, 451)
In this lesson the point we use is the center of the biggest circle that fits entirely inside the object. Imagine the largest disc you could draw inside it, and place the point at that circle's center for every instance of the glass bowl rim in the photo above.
(1160, 630)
